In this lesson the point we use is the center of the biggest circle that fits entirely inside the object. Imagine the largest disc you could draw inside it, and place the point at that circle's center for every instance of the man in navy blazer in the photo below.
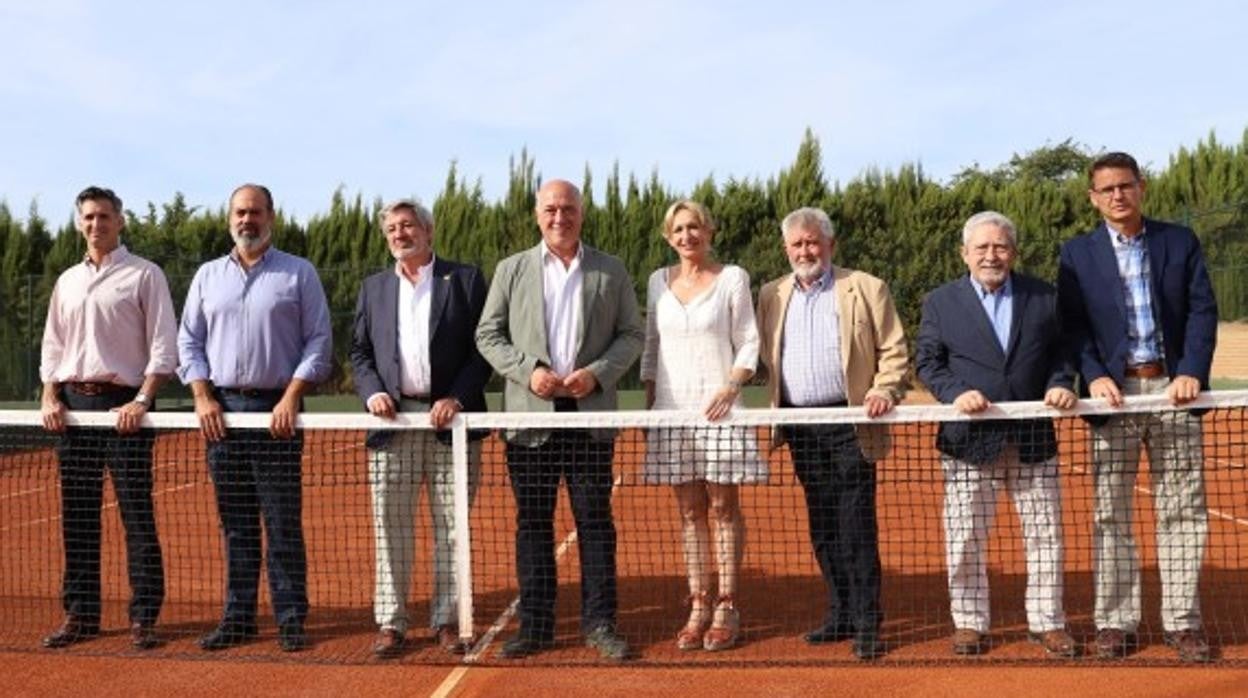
(992, 336)
(1140, 317)
(413, 349)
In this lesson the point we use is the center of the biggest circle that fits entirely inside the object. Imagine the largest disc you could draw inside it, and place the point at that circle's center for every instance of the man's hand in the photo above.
(971, 401)
(282, 423)
(128, 417)
(580, 383)
(877, 405)
(1106, 389)
(53, 411)
(1061, 398)
(380, 405)
(211, 421)
(544, 383)
(1183, 389)
(443, 411)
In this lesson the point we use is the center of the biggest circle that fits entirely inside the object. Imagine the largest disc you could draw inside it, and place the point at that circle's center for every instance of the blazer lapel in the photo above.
(390, 327)
(591, 277)
(1020, 300)
(784, 292)
(439, 287)
(1156, 245)
(983, 326)
(1106, 263)
(845, 314)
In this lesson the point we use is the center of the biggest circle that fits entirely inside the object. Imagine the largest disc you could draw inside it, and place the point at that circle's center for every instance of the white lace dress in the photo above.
(691, 348)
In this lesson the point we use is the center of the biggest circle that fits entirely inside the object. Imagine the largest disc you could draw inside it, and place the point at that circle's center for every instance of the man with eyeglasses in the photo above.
(1139, 317)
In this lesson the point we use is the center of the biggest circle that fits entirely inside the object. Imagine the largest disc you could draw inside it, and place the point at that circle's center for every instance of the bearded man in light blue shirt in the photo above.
(255, 337)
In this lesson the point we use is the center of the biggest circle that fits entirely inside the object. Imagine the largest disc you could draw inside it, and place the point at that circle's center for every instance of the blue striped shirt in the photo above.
(255, 328)
(1143, 335)
(810, 356)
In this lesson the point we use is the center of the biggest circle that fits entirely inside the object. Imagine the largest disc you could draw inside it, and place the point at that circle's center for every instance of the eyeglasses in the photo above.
(1107, 192)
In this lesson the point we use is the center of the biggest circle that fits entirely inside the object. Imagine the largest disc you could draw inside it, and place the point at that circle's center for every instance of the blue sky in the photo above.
(150, 98)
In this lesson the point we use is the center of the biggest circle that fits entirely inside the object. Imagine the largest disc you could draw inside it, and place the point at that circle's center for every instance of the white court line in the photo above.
(1214, 512)
(452, 680)
(109, 505)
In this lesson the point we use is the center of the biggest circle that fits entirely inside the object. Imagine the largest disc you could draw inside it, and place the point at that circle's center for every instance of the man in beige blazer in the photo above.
(561, 325)
(831, 337)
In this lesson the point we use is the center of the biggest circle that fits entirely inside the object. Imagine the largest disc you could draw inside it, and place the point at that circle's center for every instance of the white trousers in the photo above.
(970, 503)
(396, 475)
(1175, 458)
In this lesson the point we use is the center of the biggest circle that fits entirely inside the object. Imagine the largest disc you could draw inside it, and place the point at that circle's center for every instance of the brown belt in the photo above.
(418, 398)
(90, 389)
(1152, 369)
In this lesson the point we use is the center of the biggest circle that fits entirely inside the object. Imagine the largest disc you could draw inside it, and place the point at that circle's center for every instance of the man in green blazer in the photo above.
(561, 325)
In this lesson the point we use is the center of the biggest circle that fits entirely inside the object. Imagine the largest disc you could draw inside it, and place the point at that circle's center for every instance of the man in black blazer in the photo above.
(992, 336)
(1140, 317)
(413, 349)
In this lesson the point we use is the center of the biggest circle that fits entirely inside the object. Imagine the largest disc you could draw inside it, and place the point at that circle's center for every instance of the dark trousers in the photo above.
(585, 463)
(839, 483)
(257, 475)
(84, 454)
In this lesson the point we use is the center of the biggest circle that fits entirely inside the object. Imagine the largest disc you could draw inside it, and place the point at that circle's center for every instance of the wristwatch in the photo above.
(142, 398)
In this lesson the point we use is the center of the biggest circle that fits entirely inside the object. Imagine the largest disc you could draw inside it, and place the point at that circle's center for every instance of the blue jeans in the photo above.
(257, 475)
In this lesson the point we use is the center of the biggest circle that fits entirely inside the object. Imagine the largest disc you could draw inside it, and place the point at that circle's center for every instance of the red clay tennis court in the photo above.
(780, 596)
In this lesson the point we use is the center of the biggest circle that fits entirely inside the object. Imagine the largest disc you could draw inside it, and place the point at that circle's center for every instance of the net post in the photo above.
(463, 537)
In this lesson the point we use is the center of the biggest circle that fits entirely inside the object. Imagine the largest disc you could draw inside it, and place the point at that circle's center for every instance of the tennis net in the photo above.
(760, 563)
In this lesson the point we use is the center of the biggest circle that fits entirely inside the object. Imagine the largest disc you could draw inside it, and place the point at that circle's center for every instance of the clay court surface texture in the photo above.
(780, 594)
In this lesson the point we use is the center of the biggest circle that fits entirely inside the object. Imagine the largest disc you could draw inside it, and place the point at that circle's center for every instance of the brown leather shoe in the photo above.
(72, 629)
(143, 636)
(1058, 643)
(1112, 643)
(389, 643)
(448, 639)
(967, 641)
(1190, 644)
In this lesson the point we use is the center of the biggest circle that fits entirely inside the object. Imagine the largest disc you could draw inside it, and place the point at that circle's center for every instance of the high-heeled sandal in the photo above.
(690, 636)
(726, 626)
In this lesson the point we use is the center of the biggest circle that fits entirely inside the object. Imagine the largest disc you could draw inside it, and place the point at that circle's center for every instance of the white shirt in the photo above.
(561, 289)
(112, 323)
(414, 301)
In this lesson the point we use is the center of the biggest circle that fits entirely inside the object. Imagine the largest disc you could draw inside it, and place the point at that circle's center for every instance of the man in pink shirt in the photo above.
(110, 341)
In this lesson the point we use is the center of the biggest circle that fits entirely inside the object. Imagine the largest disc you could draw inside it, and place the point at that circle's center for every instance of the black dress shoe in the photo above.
(292, 638)
(72, 629)
(227, 634)
(868, 646)
(524, 645)
(143, 636)
(829, 632)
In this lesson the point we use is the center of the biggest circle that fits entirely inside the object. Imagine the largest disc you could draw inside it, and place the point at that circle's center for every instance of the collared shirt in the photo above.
(255, 328)
(1143, 334)
(112, 323)
(414, 301)
(561, 289)
(810, 358)
(999, 306)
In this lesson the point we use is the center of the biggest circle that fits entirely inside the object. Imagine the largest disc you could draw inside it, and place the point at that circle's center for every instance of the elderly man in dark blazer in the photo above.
(561, 325)
(992, 336)
(1140, 317)
(413, 350)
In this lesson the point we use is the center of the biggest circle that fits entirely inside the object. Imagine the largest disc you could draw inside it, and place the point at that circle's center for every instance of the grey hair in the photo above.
(423, 216)
(811, 218)
(1000, 220)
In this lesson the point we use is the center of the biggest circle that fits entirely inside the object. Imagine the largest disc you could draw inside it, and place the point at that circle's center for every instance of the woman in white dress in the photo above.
(701, 347)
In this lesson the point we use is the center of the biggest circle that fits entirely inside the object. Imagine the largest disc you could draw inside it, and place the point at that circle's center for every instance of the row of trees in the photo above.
(903, 226)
